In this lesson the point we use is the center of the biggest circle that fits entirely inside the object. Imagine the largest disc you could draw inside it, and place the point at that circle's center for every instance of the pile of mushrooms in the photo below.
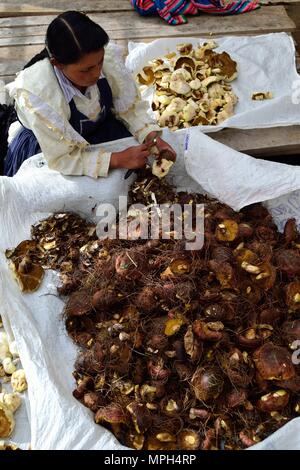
(192, 86)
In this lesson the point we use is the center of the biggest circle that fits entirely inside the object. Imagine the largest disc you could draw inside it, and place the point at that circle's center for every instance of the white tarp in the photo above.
(265, 63)
(239, 180)
(57, 420)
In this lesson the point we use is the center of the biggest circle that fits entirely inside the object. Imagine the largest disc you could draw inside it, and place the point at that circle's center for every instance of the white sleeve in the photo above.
(138, 121)
(128, 104)
(64, 149)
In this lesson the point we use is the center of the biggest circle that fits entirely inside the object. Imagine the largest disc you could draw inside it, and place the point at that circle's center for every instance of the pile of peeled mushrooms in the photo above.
(192, 86)
(12, 383)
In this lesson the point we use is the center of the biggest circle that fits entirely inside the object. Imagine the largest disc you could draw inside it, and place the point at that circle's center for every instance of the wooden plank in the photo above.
(297, 62)
(279, 2)
(44, 20)
(260, 20)
(21, 21)
(294, 13)
(8, 78)
(130, 25)
(22, 50)
(262, 142)
(18, 8)
(18, 53)
(10, 67)
(26, 31)
(21, 56)
(15, 6)
(8, 9)
(48, 7)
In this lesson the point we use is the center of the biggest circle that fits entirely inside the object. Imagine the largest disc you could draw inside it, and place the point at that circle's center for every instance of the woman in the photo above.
(75, 95)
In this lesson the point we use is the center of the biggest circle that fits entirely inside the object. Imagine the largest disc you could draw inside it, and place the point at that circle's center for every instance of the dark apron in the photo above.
(105, 129)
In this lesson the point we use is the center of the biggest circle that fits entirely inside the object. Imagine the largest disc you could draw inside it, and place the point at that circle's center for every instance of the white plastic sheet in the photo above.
(239, 180)
(265, 63)
(57, 420)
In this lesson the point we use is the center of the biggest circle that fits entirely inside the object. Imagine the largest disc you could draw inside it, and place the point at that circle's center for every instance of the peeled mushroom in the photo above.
(227, 111)
(4, 351)
(161, 168)
(7, 422)
(189, 111)
(215, 90)
(176, 105)
(18, 381)
(8, 366)
(179, 86)
(10, 400)
(209, 80)
(168, 118)
(262, 95)
(195, 84)
(191, 86)
(164, 99)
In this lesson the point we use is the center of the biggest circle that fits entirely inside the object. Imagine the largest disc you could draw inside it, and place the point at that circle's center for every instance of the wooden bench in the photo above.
(23, 27)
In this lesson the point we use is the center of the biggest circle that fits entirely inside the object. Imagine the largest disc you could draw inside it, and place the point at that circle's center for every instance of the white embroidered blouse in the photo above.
(42, 99)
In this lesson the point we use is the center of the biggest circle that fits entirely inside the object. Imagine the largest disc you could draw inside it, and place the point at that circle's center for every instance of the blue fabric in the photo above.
(23, 146)
(105, 129)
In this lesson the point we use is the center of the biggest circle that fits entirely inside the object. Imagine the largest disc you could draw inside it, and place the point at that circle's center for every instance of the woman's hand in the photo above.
(131, 158)
(165, 150)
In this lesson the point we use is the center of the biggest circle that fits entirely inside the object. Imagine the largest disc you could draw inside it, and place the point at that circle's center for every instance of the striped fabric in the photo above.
(224, 7)
(175, 11)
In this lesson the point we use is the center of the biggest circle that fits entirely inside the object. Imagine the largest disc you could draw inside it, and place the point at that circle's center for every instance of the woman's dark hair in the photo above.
(69, 37)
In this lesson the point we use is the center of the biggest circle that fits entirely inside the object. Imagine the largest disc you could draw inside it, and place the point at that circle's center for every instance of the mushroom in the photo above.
(7, 422)
(10, 400)
(18, 381)
(190, 111)
(262, 95)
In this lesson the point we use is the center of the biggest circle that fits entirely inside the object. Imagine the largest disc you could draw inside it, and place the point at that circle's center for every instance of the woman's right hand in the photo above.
(131, 158)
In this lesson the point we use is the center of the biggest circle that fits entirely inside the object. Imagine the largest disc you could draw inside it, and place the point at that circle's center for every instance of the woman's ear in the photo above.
(56, 63)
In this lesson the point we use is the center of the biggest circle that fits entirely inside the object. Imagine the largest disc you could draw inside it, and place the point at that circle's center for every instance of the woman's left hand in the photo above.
(165, 150)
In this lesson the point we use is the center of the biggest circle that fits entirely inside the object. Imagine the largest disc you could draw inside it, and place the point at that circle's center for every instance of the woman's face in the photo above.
(86, 71)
